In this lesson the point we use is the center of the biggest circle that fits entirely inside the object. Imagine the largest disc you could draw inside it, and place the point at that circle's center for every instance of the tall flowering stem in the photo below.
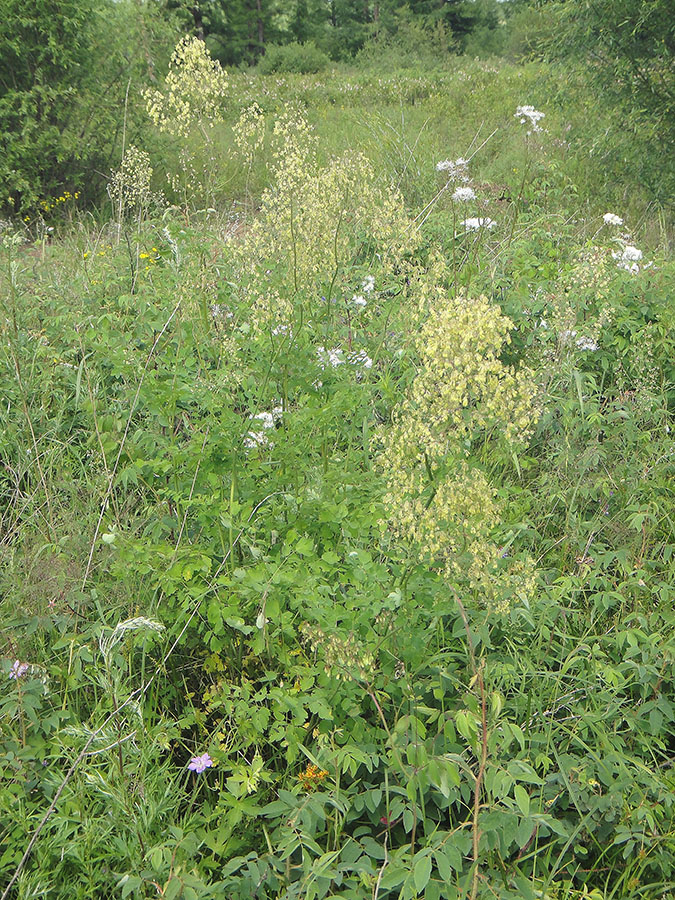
(437, 496)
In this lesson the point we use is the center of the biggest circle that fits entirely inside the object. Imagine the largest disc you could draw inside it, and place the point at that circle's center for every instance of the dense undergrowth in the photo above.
(337, 524)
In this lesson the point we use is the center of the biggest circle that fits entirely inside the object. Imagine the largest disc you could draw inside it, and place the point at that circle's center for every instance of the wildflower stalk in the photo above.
(454, 247)
(477, 672)
(519, 198)
(294, 247)
(337, 263)
(120, 201)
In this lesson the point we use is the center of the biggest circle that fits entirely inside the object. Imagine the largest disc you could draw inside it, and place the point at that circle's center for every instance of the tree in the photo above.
(44, 50)
(65, 69)
(629, 46)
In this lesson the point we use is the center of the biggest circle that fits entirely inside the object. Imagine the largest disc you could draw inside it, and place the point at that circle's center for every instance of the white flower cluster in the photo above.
(220, 311)
(475, 224)
(528, 115)
(464, 194)
(458, 172)
(628, 259)
(360, 358)
(583, 343)
(336, 357)
(611, 219)
(368, 284)
(267, 421)
(359, 301)
(455, 169)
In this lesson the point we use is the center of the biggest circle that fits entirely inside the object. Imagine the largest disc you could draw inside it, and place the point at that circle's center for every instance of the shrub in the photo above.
(303, 59)
(65, 71)
(627, 48)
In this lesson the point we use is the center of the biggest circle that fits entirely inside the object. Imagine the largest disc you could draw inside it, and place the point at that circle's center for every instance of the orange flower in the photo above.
(311, 777)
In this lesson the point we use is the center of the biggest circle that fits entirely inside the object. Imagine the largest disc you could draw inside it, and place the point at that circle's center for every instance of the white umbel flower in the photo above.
(528, 115)
(333, 357)
(455, 169)
(632, 254)
(266, 421)
(464, 194)
(611, 219)
(361, 359)
(475, 224)
(628, 259)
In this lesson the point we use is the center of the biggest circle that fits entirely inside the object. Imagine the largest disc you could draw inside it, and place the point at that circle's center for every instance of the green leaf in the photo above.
(422, 872)
(129, 883)
(524, 832)
(173, 889)
(578, 380)
(443, 866)
(305, 547)
(522, 799)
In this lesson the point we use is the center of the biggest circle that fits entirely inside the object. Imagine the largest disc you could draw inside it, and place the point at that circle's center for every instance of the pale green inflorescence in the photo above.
(194, 90)
(344, 656)
(314, 216)
(129, 186)
(249, 132)
(462, 395)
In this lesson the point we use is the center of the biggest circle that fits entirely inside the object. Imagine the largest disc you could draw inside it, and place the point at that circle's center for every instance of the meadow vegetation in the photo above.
(336, 500)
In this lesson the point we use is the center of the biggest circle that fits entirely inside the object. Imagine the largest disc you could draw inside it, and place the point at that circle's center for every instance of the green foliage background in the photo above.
(176, 586)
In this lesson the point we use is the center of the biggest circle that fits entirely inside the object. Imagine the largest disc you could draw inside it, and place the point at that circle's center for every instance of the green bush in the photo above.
(527, 31)
(412, 45)
(627, 47)
(65, 71)
(303, 59)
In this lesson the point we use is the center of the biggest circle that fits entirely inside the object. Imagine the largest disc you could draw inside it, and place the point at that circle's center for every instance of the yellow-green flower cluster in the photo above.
(249, 132)
(129, 186)
(269, 312)
(463, 394)
(314, 216)
(463, 387)
(345, 658)
(194, 90)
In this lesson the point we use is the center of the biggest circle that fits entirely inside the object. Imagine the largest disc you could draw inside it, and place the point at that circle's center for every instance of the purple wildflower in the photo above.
(18, 669)
(199, 763)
